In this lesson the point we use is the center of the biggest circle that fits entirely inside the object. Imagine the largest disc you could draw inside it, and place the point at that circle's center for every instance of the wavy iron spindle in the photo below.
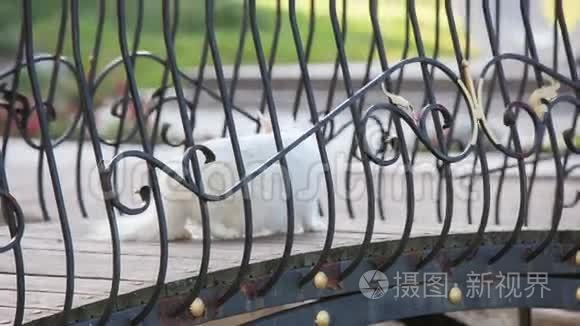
(373, 102)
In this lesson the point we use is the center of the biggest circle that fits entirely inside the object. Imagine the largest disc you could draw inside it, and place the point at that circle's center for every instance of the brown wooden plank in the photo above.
(7, 314)
(96, 265)
(45, 259)
(57, 284)
(45, 255)
(39, 304)
(43, 300)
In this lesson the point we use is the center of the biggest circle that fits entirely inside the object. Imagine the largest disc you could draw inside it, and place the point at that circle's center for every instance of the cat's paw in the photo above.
(221, 232)
(314, 224)
(196, 231)
(298, 229)
(180, 234)
(153, 235)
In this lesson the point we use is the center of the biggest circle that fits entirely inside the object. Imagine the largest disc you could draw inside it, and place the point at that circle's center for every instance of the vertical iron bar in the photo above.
(445, 168)
(307, 51)
(87, 107)
(50, 158)
(128, 61)
(168, 38)
(480, 154)
(308, 89)
(522, 212)
(231, 128)
(342, 59)
(93, 64)
(238, 58)
(265, 74)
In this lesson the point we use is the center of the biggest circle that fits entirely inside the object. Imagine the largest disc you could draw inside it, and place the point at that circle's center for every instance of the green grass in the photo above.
(227, 20)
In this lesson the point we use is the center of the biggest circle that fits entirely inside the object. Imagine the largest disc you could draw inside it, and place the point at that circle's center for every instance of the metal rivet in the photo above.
(578, 294)
(577, 260)
(322, 318)
(455, 295)
(320, 280)
(197, 307)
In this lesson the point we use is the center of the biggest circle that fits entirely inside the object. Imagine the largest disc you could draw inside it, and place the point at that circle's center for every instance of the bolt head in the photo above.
(455, 295)
(578, 294)
(197, 307)
(577, 258)
(320, 280)
(322, 318)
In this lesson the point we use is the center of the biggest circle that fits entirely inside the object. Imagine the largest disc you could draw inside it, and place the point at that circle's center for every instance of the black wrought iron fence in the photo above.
(450, 134)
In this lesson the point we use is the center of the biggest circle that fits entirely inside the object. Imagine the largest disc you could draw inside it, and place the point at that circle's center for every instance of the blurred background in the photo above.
(147, 35)
(228, 16)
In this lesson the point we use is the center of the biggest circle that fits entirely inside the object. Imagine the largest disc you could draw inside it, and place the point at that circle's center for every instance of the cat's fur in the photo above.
(268, 199)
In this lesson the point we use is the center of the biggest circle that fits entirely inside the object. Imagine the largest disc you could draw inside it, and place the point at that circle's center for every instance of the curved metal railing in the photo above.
(433, 126)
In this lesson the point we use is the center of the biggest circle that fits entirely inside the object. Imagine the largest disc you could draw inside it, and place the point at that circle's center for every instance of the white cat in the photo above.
(268, 199)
